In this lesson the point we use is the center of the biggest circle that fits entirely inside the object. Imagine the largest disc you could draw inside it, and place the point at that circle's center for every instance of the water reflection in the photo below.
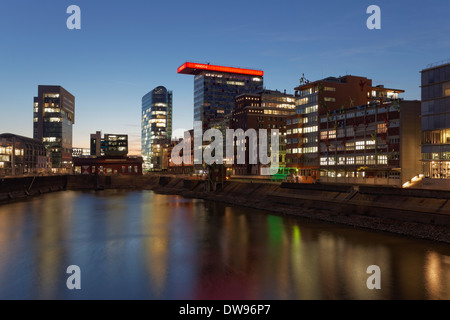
(141, 245)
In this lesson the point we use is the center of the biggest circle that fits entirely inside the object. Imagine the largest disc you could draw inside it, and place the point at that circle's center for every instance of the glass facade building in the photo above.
(156, 125)
(215, 90)
(54, 116)
(435, 118)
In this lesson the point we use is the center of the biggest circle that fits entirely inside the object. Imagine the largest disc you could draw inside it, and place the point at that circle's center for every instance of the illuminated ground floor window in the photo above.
(436, 169)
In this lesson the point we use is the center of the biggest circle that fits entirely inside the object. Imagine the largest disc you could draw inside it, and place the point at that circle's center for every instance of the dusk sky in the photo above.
(126, 48)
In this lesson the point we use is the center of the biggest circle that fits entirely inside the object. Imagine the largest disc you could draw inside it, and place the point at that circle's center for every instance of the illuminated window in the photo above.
(312, 109)
(382, 160)
(332, 134)
(310, 129)
(381, 128)
(302, 101)
(350, 160)
(359, 159)
(329, 99)
(329, 89)
(360, 145)
(50, 139)
(52, 110)
(370, 160)
(350, 146)
(310, 150)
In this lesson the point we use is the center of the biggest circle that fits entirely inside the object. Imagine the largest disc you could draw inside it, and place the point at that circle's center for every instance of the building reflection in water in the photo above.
(142, 245)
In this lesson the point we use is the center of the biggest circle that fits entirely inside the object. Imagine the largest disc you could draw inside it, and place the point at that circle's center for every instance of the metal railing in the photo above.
(438, 63)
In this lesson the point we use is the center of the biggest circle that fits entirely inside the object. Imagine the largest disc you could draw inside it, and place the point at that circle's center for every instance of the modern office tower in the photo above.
(54, 116)
(353, 132)
(215, 90)
(435, 116)
(21, 155)
(266, 109)
(156, 125)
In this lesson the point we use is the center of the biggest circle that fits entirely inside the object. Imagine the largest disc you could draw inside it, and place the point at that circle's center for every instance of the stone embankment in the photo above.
(413, 212)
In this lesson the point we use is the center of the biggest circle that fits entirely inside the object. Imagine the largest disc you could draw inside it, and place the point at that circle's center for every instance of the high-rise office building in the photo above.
(54, 116)
(435, 118)
(156, 125)
(215, 90)
(266, 109)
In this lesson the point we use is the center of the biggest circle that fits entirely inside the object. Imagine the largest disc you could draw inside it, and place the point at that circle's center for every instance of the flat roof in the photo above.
(196, 68)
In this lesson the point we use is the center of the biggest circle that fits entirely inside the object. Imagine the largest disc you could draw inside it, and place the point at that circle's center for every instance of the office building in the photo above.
(54, 116)
(376, 143)
(80, 152)
(156, 126)
(22, 155)
(215, 90)
(435, 118)
(108, 156)
(111, 145)
(266, 109)
(314, 99)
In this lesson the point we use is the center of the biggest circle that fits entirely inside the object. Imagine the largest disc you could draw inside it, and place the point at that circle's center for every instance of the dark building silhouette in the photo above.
(54, 116)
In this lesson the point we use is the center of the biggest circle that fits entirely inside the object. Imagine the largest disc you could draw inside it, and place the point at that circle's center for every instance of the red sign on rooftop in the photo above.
(196, 68)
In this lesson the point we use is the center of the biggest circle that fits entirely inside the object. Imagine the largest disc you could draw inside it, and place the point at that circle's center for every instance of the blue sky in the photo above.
(126, 48)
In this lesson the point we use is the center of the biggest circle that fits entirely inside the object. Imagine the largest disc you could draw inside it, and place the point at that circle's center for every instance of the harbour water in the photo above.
(143, 245)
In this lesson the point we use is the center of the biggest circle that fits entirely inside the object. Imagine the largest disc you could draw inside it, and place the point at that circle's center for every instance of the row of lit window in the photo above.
(309, 91)
(350, 115)
(302, 140)
(436, 137)
(301, 150)
(307, 110)
(358, 174)
(358, 160)
(348, 132)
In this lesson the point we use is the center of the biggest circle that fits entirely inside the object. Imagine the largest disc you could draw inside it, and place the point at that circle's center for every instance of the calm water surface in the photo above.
(141, 245)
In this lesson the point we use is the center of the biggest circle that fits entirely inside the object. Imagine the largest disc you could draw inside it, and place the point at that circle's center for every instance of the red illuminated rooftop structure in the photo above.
(196, 68)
